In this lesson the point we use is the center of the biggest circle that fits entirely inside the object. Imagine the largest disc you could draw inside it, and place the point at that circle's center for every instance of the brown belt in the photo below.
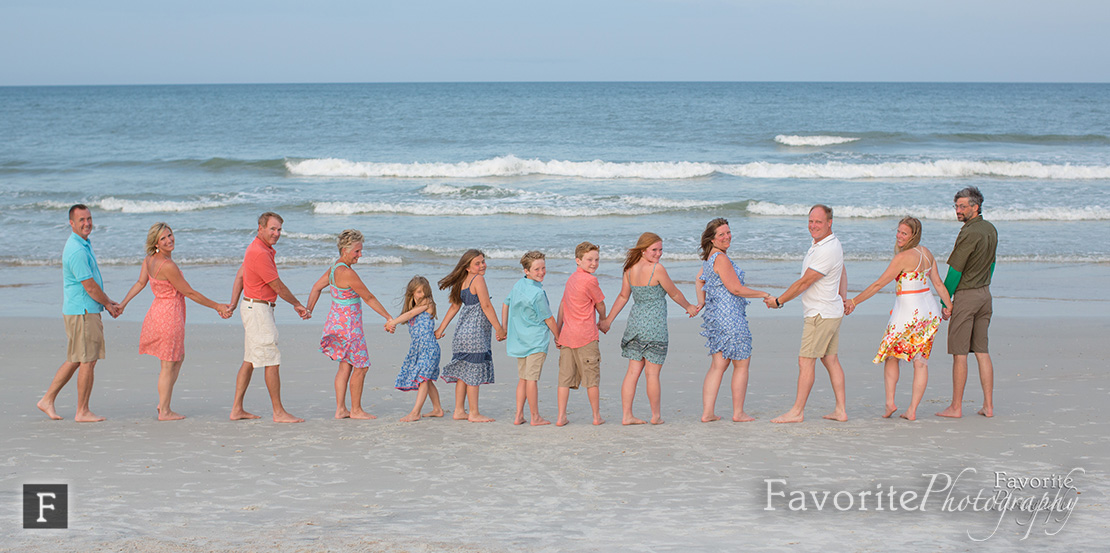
(270, 303)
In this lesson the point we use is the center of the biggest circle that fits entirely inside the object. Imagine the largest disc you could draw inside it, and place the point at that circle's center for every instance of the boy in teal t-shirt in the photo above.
(527, 318)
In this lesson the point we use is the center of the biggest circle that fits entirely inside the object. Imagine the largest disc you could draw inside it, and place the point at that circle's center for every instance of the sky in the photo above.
(66, 42)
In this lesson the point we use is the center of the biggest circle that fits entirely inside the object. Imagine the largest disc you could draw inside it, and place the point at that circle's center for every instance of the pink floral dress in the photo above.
(343, 338)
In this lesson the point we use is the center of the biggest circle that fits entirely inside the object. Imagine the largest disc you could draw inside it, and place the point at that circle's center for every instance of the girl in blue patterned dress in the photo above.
(722, 292)
(343, 339)
(645, 338)
(421, 367)
(471, 356)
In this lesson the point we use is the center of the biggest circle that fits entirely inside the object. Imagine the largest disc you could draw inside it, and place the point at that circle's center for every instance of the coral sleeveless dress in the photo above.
(163, 333)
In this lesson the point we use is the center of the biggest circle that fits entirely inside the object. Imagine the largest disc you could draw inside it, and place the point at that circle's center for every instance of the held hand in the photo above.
(692, 310)
(946, 313)
(604, 326)
(769, 301)
(849, 307)
(390, 328)
(502, 335)
(303, 312)
(114, 309)
(439, 333)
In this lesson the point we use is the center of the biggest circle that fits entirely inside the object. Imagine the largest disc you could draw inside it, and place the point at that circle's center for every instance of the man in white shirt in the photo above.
(823, 287)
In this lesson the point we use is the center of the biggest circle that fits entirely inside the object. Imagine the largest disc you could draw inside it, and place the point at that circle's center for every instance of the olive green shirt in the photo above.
(973, 255)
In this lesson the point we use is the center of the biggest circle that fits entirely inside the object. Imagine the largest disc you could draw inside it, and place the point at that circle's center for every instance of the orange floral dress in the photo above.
(914, 320)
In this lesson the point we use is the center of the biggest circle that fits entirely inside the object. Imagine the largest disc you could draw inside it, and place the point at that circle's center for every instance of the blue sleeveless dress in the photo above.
(472, 357)
(724, 320)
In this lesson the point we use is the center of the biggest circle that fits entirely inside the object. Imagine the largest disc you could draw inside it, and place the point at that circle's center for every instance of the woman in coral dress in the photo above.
(163, 333)
(915, 318)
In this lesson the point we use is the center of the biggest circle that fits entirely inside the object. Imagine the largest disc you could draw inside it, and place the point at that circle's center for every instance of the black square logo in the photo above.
(45, 506)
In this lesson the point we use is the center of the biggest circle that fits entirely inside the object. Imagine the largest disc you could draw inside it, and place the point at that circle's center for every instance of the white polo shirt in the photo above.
(823, 297)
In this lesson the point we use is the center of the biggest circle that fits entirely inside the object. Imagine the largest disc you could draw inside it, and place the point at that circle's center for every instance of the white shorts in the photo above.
(260, 334)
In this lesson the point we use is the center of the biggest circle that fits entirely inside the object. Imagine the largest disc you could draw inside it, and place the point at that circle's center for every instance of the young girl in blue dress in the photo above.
(421, 366)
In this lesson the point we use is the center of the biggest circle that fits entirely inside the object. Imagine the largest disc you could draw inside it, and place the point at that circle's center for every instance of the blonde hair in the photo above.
(454, 280)
(419, 282)
(708, 234)
(585, 248)
(915, 234)
(153, 235)
(347, 239)
(636, 252)
(527, 259)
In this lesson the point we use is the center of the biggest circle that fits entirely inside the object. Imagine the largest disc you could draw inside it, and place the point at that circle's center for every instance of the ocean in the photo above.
(427, 171)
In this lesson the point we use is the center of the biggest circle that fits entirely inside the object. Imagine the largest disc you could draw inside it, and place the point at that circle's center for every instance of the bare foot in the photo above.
(788, 417)
(48, 408)
(909, 415)
(890, 409)
(540, 421)
(561, 421)
(242, 415)
(286, 417)
(362, 415)
(434, 413)
(987, 411)
(742, 417)
(460, 415)
(598, 421)
(169, 415)
(632, 420)
(656, 420)
(836, 416)
(87, 416)
(410, 418)
(478, 417)
(342, 413)
(710, 418)
(951, 412)
(519, 419)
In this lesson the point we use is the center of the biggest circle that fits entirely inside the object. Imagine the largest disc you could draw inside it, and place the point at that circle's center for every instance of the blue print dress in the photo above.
(422, 362)
(471, 356)
(724, 321)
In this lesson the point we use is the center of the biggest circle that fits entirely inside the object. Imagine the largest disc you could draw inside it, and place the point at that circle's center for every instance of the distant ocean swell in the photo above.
(511, 166)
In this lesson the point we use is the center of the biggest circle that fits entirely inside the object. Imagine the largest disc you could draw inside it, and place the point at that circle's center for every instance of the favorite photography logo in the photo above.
(45, 506)
(1041, 502)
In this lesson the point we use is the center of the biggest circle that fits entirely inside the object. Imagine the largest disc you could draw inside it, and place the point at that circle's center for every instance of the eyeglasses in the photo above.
(961, 207)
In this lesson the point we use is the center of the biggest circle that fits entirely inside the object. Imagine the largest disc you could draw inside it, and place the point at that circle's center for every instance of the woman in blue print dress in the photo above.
(421, 366)
(722, 293)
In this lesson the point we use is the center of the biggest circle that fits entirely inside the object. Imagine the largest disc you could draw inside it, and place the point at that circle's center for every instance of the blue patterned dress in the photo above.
(724, 320)
(472, 357)
(645, 337)
(422, 362)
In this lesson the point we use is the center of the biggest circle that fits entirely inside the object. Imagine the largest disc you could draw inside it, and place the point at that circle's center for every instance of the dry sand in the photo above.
(208, 484)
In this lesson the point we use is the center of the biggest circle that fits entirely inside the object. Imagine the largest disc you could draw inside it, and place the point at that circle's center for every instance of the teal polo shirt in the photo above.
(528, 309)
(79, 265)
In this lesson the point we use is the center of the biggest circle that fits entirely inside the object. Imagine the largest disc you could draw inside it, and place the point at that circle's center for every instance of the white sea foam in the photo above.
(310, 236)
(159, 206)
(1086, 213)
(795, 140)
(527, 203)
(510, 166)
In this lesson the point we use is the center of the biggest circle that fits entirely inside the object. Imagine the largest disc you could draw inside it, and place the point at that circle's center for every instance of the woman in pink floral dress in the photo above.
(343, 338)
(915, 318)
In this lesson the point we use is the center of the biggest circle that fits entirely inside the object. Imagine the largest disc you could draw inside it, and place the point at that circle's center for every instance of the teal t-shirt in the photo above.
(528, 309)
(79, 265)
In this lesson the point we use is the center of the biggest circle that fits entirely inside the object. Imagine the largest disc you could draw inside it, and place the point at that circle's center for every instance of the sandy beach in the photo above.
(208, 484)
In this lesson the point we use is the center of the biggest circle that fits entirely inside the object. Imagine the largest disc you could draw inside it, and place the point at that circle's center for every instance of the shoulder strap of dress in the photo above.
(331, 274)
(920, 258)
(652, 275)
(154, 273)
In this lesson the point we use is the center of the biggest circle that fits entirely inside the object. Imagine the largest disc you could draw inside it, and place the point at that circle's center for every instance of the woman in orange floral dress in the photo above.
(915, 318)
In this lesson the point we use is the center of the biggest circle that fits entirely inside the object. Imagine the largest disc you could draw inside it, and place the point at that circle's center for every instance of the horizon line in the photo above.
(290, 83)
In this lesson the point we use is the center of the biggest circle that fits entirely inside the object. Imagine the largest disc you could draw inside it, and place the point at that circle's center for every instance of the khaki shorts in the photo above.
(578, 364)
(86, 338)
(971, 315)
(529, 367)
(820, 337)
(260, 334)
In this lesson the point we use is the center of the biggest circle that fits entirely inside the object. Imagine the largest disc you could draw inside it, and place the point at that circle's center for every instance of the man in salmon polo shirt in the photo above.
(258, 280)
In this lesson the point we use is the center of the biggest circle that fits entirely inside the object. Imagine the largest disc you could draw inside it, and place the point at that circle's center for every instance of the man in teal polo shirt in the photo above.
(83, 300)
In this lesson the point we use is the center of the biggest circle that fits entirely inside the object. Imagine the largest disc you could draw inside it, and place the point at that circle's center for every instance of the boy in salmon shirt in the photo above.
(579, 355)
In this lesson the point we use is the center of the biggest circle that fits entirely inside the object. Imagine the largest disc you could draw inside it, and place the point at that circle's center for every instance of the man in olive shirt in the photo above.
(969, 276)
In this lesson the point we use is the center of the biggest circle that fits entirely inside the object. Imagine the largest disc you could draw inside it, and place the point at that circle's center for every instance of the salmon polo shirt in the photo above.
(580, 297)
(259, 270)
